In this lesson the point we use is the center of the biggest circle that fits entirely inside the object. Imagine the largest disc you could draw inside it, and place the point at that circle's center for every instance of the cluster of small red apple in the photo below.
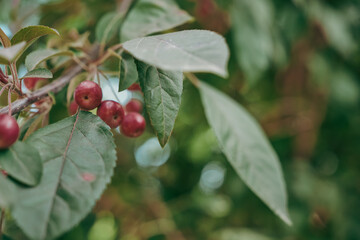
(88, 96)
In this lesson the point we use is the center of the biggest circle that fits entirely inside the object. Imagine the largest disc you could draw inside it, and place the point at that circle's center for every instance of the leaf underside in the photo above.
(185, 51)
(246, 148)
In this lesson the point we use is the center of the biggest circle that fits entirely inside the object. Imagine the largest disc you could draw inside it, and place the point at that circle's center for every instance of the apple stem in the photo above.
(9, 101)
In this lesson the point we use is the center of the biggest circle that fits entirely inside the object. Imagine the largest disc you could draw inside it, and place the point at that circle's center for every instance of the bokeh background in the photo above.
(295, 65)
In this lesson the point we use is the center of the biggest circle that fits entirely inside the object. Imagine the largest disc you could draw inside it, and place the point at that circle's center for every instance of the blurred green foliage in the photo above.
(296, 66)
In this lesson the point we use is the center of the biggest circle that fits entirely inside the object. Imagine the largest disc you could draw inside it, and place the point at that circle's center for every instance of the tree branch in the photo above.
(54, 87)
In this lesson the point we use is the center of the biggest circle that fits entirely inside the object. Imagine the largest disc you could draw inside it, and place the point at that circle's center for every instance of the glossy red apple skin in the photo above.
(134, 87)
(73, 108)
(30, 83)
(134, 105)
(88, 95)
(9, 131)
(133, 125)
(111, 112)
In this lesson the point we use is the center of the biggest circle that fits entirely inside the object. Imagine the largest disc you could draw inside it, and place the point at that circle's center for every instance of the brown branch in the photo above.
(43, 92)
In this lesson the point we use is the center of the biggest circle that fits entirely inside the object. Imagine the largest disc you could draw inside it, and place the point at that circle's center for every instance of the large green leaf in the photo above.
(128, 72)
(186, 51)
(39, 73)
(252, 23)
(108, 26)
(247, 149)
(10, 54)
(22, 162)
(35, 58)
(7, 192)
(79, 157)
(31, 33)
(162, 95)
(151, 16)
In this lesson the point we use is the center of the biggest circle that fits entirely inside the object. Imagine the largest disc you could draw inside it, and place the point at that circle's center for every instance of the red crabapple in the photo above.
(134, 105)
(133, 124)
(111, 112)
(73, 108)
(30, 83)
(9, 131)
(88, 95)
(134, 87)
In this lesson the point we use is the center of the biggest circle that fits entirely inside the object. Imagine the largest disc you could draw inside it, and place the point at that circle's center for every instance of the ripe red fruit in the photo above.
(30, 83)
(134, 105)
(9, 131)
(134, 87)
(111, 112)
(88, 95)
(73, 107)
(133, 125)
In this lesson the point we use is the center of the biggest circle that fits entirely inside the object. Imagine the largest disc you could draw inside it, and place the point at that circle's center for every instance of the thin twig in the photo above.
(110, 85)
(53, 87)
(9, 101)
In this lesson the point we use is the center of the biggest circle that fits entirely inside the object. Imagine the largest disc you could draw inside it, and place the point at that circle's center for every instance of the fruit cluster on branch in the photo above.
(88, 96)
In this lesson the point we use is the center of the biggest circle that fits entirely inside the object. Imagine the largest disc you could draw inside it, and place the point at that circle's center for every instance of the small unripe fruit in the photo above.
(73, 108)
(9, 131)
(134, 87)
(88, 95)
(133, 125)
(111, 112)
(30, 83)
(134, 105)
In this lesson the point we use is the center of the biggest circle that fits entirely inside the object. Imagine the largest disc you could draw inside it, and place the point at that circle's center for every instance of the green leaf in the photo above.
(186, 51)
(79, 157)
(10, 54)
(162, 96)
(252, 33)
(7, 192)
(151, 16)
(128, 72)
(108, 26)
(4, 39)
(246, 148)
(31, 33)
(235, 234)
(39, 73)
(22, 162)
(35, 58)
